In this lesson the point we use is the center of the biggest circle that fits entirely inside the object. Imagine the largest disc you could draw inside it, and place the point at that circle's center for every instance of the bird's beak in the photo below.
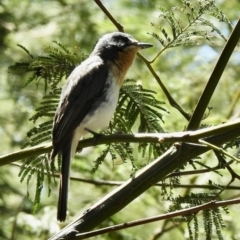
(143, 45)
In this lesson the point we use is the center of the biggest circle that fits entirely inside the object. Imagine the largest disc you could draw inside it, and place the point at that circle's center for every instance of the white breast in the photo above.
(100, 118)
(102, 115)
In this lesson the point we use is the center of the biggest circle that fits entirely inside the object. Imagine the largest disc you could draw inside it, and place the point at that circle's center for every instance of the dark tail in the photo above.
(64, 182)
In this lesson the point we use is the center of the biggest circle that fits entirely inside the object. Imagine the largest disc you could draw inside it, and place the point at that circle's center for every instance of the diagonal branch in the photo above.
(171, 101)
(157, 170)
(109, 15)
(183, 212)
(214, 79)
(173, 174)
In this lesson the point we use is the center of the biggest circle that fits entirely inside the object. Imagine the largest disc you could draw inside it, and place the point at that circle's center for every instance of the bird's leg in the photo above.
(95, 135)
(78, 150)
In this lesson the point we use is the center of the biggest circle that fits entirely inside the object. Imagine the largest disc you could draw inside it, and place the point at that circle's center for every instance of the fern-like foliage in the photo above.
(211, 217)
(187, 33)
(42, 132)
(40, 167)
(234, 144)
(137, 109)
(54, 64)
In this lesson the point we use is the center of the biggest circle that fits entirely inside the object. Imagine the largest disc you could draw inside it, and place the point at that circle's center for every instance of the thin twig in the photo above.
(219, 149)
(175, 174)
(162, 231)
(171, 101)
(109, 15)
(191, 210)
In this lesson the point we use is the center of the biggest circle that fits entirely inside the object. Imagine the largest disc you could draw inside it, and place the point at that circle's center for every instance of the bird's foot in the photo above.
(78, 150)
(95, 135)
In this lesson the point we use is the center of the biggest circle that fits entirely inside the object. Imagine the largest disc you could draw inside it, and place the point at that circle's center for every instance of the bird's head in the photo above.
(109, 46)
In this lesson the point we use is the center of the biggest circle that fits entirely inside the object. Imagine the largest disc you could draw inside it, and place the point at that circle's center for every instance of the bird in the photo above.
(88, 100)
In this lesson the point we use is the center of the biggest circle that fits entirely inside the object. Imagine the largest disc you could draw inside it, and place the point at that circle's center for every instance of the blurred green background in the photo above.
(35, 24)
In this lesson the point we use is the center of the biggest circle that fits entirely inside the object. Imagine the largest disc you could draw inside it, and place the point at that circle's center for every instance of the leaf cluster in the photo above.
(55, 63)
(188, 24)
(211, 217)
(137, 109)
(51, 66)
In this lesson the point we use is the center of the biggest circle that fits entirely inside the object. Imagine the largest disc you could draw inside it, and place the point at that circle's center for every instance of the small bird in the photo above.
(88, 100)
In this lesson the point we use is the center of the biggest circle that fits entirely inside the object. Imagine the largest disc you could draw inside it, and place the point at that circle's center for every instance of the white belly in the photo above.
(102, 115)
(100, 118)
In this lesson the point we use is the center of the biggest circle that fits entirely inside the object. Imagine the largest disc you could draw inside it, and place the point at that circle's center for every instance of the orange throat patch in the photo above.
(122, 64)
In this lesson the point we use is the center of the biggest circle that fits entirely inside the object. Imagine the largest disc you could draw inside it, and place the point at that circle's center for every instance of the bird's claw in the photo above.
(95, 135)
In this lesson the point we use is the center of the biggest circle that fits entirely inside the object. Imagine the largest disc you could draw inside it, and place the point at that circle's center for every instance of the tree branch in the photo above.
(190, 136)
(156, 171)
(118, 183)
(214, 79)
(109, 15)
(191, 210)
(171, 101)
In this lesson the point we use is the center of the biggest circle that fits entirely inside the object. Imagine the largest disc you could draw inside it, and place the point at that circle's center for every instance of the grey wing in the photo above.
(77, 98)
